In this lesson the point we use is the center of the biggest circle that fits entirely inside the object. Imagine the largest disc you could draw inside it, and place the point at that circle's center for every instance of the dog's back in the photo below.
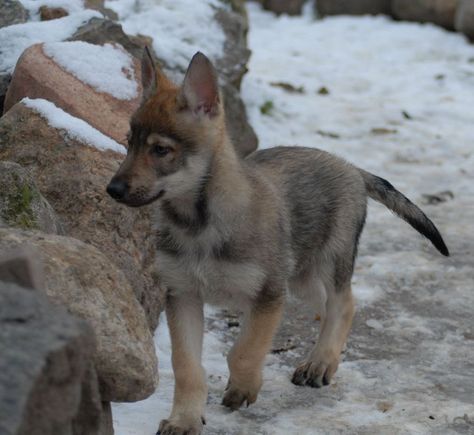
(326, 200)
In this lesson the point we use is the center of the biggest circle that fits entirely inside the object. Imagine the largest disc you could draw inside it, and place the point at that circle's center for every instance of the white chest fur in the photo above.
(217, 281)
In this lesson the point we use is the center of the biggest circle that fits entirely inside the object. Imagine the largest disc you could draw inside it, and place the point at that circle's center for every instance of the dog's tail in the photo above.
(382, 191)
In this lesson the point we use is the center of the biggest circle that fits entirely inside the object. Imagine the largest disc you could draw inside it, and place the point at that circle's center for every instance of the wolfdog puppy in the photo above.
(240, 232)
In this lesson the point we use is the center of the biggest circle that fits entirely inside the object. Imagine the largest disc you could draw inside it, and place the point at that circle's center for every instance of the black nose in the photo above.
(117, 188)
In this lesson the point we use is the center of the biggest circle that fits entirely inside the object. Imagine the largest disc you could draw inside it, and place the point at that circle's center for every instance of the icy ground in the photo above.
(396, 99)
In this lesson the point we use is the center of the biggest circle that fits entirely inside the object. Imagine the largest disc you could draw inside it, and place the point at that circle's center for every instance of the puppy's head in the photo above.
(173, 135)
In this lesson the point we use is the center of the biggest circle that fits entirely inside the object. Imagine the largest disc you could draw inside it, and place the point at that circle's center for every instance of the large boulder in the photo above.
(351, 7)
(80, 278)
(12, 12)
(464, 21)
(47, 381)
(73, 176)
(21, 203)
(440, 12)
(39, 74)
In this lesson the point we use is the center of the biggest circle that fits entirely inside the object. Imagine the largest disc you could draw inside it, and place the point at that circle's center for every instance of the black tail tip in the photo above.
(439, 244)
(444, 250)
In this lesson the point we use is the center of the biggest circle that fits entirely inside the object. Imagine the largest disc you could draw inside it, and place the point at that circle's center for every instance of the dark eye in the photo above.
(160, 151)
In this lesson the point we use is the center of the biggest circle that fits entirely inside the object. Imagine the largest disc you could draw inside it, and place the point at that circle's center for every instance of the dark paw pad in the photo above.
(311, 375)
(234, 398)
(168, 428)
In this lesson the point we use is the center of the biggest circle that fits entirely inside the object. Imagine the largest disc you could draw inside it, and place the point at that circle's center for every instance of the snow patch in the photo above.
(179, 28)
(17, 38)
(107, 68)
(75, 128)
(374, 324)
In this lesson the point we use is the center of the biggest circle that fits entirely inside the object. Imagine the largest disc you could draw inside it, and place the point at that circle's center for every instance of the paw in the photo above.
(315, 373)
(235, 397)
(169, 427)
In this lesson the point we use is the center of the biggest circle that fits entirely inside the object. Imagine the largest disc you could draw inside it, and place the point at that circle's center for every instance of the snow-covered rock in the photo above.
(95, 83)
(14, 39)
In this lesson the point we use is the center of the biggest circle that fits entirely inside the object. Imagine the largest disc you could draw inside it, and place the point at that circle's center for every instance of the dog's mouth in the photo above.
(137, 202)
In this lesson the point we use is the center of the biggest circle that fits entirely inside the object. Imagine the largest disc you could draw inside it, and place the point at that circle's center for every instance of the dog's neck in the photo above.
(224, 191)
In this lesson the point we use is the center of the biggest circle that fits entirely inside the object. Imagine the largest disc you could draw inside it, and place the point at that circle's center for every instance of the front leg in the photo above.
(186, 324)
(246, 357)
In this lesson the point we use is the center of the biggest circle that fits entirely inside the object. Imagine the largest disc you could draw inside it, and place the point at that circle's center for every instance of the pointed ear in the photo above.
(200, 88)
(148, 74)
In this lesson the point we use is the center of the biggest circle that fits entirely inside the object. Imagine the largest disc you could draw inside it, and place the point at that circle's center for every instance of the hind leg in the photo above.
(336, 322)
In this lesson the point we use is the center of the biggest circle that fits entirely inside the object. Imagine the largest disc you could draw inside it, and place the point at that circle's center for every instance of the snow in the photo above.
(16, 38)
(398, 103)
(375, 70)
(74, 128)
(113, 74)
(179, 28)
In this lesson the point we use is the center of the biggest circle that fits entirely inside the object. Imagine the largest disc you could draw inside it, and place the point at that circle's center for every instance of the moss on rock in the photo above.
(21, 204)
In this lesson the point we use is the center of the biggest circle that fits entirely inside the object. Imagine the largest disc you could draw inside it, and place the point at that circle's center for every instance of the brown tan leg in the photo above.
(186, 324)
(323, 361)
(246, 357)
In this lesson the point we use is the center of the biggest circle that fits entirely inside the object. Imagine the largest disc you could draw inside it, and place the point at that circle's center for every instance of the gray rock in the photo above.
(46, 376)
(5, 79)
(440, 12)
(21, 203)
(242, 134)
(22, 267)
(290, 7)
(100, 31)
(231, 68)
(233, 65)
(12, 12)
(98, 5)
(106, 421)
(351, 7)
(79, 277)
(464, 21)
